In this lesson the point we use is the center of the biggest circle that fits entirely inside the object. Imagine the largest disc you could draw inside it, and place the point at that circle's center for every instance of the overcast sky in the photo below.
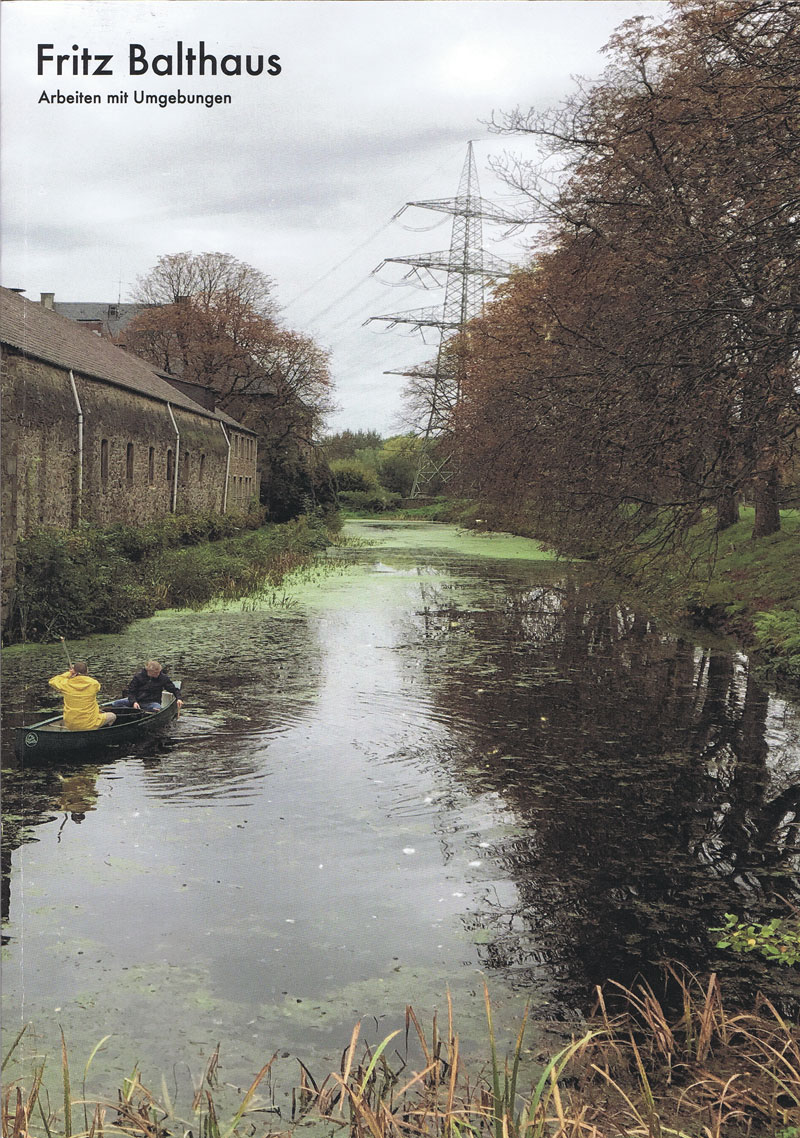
(302, 174)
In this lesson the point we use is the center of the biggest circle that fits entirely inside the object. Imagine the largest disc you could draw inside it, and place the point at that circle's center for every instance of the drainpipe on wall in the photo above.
(227, 469)
(79, 494)
(177, 460)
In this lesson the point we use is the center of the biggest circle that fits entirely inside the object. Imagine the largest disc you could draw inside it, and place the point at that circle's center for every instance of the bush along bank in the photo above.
(99, 579)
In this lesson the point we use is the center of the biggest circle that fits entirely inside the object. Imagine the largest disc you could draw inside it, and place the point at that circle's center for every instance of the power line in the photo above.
(319, 280)
(339, 264)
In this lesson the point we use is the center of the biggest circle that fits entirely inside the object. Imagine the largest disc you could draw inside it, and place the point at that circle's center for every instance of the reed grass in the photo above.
(636, 1072)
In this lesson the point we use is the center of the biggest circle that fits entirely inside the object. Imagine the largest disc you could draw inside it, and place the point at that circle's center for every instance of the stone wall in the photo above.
(129, 451)
(39, 418)
(129, 454)
(243, 487)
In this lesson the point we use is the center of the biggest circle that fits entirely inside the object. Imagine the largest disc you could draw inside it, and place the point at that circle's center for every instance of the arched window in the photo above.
(104, 462)
(170, 465)
(186, 468)
(202, 471)
(151, 466)
(129, 462)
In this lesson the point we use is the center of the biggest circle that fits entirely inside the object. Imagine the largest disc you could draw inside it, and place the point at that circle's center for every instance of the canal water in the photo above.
(436, 759)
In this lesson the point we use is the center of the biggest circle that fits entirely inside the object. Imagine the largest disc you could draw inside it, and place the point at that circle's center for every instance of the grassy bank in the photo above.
(733, 584)
(76, 582)
(637, 1072)
(751, 589)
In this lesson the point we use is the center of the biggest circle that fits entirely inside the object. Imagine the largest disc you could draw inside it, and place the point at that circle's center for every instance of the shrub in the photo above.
(73, 582)
(353, 476)
(778, 635)
(777, 939)
(364, 502)
(188, 578)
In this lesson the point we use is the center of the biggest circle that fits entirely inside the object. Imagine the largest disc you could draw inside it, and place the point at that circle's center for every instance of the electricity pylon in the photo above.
(468, 267)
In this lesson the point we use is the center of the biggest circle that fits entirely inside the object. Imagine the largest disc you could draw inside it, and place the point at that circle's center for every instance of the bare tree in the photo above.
(208, 278)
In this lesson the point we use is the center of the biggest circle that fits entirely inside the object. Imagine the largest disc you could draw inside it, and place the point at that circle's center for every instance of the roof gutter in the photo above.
(174, 507)
(79, 492)
(227, 469)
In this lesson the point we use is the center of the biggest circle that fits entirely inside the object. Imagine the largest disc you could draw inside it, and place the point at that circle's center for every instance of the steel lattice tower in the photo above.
(468, 267)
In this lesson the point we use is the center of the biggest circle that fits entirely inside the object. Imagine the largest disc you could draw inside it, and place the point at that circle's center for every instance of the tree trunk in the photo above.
(768, 515)
(727, 510)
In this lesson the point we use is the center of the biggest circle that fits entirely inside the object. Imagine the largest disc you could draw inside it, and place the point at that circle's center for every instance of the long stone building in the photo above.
(91, 433)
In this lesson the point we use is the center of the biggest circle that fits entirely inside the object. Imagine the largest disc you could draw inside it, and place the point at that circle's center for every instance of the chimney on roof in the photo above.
(47, 299)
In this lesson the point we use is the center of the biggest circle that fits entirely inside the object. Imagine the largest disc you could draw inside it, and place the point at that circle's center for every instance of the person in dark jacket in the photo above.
(146, 687)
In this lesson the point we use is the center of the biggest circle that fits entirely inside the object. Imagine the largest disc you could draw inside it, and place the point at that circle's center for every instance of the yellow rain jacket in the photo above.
(81, 712)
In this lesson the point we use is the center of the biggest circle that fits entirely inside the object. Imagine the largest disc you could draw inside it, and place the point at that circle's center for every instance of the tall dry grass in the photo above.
(636, 1072)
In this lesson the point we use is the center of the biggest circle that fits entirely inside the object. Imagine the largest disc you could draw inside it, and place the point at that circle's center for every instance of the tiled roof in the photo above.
(113, 317)
(39, 332)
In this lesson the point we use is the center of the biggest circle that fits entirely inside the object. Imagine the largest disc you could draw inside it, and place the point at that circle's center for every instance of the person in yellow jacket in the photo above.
(81, 710)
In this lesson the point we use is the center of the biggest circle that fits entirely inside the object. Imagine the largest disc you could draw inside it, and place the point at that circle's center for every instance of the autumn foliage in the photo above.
(644, 367)
(213, 321)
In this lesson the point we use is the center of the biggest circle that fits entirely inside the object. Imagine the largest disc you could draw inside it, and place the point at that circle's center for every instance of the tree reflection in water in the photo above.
(655, 785)
(620, 788)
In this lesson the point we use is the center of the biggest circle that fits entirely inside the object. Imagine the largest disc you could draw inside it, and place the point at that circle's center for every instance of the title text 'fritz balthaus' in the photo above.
(183, 61)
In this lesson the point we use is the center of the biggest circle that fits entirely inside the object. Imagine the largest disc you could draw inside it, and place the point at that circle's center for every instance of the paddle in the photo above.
(63, 641)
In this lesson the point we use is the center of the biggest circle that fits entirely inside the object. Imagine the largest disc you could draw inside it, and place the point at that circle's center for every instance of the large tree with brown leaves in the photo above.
(212, 320)
(649, 365)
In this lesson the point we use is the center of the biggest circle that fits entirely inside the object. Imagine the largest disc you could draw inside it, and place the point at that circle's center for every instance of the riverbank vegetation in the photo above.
(729, 582)
(635, 1070)
(748, 587)
(99, 579)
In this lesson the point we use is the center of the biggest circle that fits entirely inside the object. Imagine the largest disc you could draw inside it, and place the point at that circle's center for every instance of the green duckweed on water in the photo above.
(425, 536)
